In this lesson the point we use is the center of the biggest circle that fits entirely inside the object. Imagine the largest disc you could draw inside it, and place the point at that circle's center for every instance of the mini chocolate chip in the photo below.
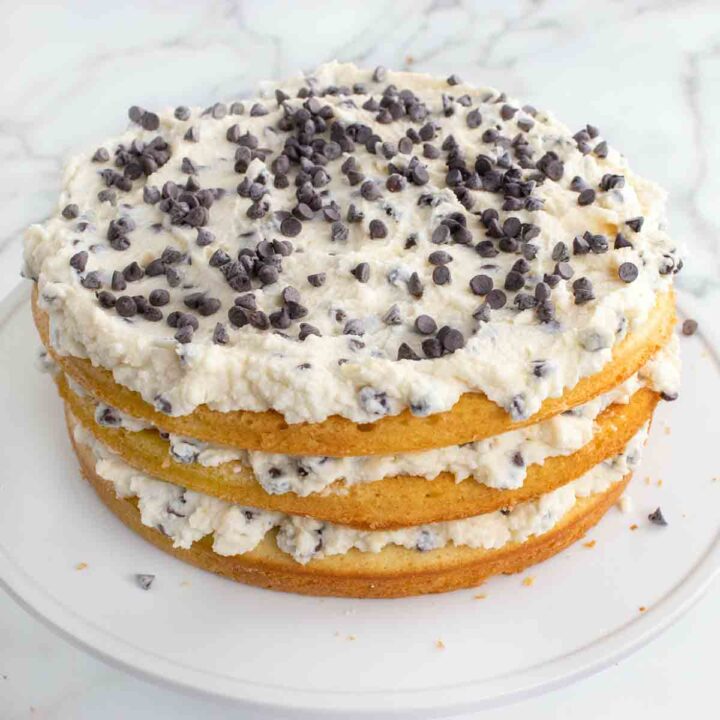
(91, 281)
(361, 272)
(369, 190)
(378, 229)
(496, 299)
(209, 306)
(481, 284)
(354, 327)
(144, 581)
(439, 257)
(220, 335)
(237, 316)
(100, 155)
(622, 242)
(290, 226)
(306, 330)
(564, 270)
(560, 252)
(441, 235)
(580, 246)
(601, 149)
(415, 286)
(317, 279)
(268, 274)
(586, 197)
(184, 334)
(425, 325)
(451, 338)
(392, 316)
(159, 297)
(514, 281)
(656, 518)
(125, 306)
(583, 291)
(133, 272)
(70, 212)
(689, 327)
(79, 260)
(405, 352)
(441, 275)
(106, 299)
(635, 224)
(628, 272)
(432, 347)
(379, 74)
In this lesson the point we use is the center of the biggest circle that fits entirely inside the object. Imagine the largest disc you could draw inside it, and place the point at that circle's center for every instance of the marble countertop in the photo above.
(647, 72)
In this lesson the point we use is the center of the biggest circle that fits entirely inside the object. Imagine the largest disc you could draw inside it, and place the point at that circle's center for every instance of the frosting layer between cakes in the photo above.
(186, 516)
(500, 462)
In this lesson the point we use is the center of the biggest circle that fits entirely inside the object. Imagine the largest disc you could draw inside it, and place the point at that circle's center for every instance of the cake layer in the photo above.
(391, 502)
(392, 572)
(473, 418)
(353, 246)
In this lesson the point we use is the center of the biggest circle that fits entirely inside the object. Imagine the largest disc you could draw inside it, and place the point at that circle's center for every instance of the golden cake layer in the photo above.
(474, 416)
(388, 503)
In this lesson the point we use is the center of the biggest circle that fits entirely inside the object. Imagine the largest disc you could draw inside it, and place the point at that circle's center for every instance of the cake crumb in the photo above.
(185, 583)
(634, 526)
(81, 566)
(352, 637)
(647, 480)
(642, 608)
(439, 644)
(480, 596)
(625, 504)
(528, 581)
(590, 544)
(667, 430)
(659, 483)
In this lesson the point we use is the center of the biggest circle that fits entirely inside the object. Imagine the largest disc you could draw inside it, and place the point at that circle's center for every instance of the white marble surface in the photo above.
(646, 71)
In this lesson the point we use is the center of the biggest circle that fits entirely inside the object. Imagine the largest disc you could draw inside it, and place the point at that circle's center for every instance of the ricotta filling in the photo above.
(185, 516)
(514, 360)
(499, 462)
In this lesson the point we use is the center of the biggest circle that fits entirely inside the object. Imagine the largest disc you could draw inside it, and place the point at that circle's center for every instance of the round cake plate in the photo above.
(72, 563)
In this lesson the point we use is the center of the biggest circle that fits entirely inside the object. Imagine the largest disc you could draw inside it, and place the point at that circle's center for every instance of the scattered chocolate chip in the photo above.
(144, 581)
(689, 327)
(496, 299)
(657, 518)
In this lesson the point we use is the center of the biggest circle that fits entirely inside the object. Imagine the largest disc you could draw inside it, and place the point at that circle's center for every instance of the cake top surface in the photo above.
(352, 242)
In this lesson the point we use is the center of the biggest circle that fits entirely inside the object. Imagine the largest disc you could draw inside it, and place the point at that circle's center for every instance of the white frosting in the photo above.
(186, 516)
(499, 462)
(333, 374)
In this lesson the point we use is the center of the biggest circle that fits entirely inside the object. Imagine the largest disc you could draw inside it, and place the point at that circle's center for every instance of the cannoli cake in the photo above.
(370, 333)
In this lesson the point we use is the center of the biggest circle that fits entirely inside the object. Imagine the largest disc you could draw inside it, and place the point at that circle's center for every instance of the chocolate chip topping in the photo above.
(463, 204)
